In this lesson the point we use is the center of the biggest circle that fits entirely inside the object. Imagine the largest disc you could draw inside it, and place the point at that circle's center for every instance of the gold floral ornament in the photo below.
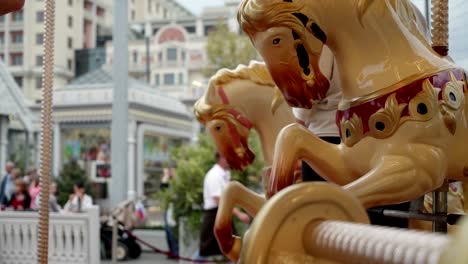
(386, 121)
(423, 106)
(452, 100)
(352, 130)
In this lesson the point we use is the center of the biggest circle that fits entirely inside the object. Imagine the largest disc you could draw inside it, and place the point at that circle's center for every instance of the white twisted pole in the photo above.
(46, 131)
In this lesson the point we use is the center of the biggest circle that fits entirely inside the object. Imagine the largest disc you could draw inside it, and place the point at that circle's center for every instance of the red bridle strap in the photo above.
(237, 115)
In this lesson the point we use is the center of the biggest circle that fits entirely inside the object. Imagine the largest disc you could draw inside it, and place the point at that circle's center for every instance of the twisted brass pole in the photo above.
(440, 26)
(46, 131)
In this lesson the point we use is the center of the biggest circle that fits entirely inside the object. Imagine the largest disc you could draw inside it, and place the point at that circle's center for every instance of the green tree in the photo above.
(71, 173)
(193, 162)
(227, 49)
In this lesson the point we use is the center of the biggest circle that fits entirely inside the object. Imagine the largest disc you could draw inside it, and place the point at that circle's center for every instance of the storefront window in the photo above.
(91, 148)
(156, 156)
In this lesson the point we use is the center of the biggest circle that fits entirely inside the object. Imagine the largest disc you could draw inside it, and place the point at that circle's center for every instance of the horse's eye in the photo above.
(218, 128)
(276, 41)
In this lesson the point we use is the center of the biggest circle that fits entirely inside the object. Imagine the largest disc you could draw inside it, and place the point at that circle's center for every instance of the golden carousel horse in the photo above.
(403, 108)
(235, 102)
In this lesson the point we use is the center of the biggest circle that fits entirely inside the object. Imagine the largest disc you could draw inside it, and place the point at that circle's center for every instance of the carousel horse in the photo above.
(235, 102)
(403, 108)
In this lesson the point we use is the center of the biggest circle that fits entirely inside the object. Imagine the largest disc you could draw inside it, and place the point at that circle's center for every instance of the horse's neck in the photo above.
(256, 104)
(379, 53)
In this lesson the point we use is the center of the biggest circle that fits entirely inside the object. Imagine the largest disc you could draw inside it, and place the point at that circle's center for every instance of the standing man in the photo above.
(7, 185)
(215, 181)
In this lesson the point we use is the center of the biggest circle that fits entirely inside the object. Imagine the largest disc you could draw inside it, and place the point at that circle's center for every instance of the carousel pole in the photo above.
(440, 31)
(46, 135)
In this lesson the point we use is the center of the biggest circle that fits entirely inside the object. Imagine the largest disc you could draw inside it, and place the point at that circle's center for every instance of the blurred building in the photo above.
(78, 23)
(170, 51)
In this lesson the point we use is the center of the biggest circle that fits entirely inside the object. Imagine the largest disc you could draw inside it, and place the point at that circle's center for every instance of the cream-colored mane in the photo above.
(259, 15)
(205, 109)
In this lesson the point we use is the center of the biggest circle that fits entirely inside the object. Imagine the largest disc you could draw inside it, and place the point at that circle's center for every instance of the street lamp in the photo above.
(147, 40)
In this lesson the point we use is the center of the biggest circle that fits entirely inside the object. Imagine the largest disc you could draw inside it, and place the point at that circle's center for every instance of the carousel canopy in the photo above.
(93, 90)
(12, 102)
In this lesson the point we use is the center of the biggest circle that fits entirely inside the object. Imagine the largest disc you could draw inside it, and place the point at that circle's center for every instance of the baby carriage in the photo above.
(127, 218)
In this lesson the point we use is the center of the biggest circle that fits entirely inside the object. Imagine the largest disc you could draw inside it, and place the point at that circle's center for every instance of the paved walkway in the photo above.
(146, 258)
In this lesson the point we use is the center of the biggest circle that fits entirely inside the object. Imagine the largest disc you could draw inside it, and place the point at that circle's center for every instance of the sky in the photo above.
(197, 5)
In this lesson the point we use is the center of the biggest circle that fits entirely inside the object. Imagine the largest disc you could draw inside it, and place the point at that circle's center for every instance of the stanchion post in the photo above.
(114, 240)
(439, 208)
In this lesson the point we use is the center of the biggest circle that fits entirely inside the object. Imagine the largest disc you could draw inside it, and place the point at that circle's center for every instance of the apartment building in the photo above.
(77, 23)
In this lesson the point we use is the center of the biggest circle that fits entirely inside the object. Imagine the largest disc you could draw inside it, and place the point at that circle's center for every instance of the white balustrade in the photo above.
(73, 237)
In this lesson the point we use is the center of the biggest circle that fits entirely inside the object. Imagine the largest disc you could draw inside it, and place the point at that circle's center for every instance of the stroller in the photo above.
(127, 247)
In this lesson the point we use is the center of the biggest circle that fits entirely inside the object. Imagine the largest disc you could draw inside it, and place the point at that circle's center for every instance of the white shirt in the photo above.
(86, 203)
(213, 185)
(320, 119)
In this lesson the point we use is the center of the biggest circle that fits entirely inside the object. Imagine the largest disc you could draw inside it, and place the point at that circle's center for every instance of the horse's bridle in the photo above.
(244, 121)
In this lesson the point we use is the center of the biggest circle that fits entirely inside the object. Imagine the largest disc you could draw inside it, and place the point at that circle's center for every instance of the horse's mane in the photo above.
(255, 72)
(259, 15)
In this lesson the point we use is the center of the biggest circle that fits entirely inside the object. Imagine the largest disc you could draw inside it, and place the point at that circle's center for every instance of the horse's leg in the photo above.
(403, 177)
(235, 194)
(295, 142)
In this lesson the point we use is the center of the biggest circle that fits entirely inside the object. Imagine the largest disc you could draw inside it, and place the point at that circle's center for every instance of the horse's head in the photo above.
(229, 129)
(290, 43)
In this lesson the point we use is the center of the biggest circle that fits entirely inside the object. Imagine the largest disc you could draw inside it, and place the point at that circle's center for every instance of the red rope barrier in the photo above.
(169, 254)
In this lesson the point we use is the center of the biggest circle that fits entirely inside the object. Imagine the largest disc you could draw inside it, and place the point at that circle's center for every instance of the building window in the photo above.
(183, 56)
(156, 79)
(164, 13)
(88, 5)
(135, 56)
(70, 43)
(70, 2)
(70, 64)
(39, 60)
(19, 81)
(133, 14)
(17, 37)
(190, 29)
(169, 79)
(2, 37)
(2, 57)
(2, 19)
(181, 78)
(100, 11)
(17, 16)
(39, 38)
(38, 82)
(70, 21)
(40, 16)
(16, 59)
(171, 54)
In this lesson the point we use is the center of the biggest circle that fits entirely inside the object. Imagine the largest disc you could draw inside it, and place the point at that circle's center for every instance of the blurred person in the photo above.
(53, 204)
(34, 187)
(214, 183)
(78, 200)
(169, 222)
(20, 200)
(7, 185)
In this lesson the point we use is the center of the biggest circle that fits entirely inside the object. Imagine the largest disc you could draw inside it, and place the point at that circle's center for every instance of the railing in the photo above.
(73, 238)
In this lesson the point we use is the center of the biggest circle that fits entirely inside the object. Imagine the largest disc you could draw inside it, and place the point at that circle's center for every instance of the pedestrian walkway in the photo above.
(147, 258)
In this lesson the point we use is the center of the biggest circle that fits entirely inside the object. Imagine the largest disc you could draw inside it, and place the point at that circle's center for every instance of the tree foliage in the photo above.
(227, 49)
(193, 162)
(71, 173)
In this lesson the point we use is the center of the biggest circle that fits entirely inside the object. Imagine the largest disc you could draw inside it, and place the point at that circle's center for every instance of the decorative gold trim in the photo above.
(452, 100)
(386, 121)
(346, 104)
(426, 98)
(352, 130)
